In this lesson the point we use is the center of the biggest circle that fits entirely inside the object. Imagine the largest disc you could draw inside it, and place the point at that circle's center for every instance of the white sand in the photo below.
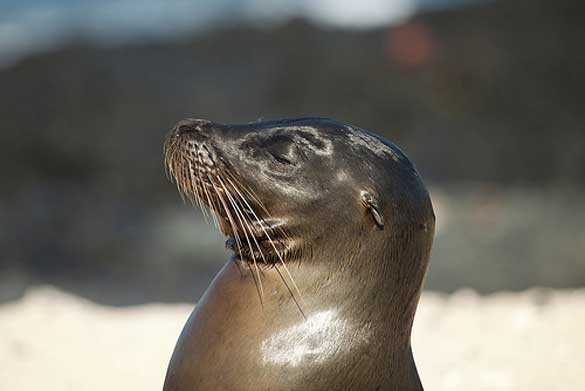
(535, 341)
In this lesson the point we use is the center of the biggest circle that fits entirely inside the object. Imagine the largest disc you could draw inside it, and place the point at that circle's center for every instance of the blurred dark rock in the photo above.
(491, 93)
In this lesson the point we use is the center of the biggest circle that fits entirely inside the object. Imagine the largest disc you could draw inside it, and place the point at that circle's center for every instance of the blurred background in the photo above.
(486, 97)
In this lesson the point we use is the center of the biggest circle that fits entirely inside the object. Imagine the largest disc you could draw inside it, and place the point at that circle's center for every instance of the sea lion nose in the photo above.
(196, 129)
(183, 129)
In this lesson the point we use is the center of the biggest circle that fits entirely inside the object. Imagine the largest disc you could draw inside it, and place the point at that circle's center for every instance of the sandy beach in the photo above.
(531, 340)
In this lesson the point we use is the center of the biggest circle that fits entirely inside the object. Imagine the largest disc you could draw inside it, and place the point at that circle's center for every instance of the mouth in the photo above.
(256, 249)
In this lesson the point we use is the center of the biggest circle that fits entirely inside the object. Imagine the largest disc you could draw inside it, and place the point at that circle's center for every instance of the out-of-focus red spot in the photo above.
(410, 45)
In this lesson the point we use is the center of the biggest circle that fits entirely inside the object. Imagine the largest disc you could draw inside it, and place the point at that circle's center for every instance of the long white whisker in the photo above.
(243, 225)
(195, 190)
(199, 188)
(211, 204)
(249, 191)
(227, 211)
(252, 194)
(276, 251)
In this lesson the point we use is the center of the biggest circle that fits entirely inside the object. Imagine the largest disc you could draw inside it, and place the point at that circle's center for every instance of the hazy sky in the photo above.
(27, 26)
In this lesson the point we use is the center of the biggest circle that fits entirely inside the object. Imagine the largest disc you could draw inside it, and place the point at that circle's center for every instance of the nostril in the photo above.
(185, 129)
(190, 129)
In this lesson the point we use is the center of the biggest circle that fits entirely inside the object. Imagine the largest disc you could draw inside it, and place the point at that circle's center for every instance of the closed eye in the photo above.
(281, 159)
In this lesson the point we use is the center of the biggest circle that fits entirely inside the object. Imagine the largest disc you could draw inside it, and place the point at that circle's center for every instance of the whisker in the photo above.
(228, 213)
(259, 202)
(250, 192)
(211, 204)
(198, 183)
(195, 190)
(166, 161)
(178, 181)
(240, 216)
(279, 257)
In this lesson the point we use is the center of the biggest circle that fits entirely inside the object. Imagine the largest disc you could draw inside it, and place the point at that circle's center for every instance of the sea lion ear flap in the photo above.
(371, 204)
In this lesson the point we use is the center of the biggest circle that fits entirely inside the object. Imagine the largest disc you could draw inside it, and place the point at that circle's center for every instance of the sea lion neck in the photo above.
(337, 334)
(364, 287)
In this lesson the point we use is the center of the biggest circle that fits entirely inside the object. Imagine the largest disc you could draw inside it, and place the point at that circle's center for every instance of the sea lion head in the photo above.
(327, 219)
(291, 190)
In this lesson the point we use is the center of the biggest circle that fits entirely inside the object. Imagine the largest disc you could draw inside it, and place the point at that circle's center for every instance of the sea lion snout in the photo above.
(196, 129)
(194, 135)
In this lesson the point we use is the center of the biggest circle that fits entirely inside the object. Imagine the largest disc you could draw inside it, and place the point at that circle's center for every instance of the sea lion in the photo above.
(331, 229)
